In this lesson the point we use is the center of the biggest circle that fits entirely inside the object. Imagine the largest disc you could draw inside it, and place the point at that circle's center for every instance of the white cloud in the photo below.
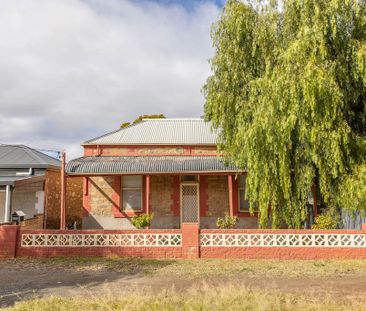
(71, 70)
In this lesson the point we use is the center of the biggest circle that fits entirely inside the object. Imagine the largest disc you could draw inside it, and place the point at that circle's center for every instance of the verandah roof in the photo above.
(147, 164)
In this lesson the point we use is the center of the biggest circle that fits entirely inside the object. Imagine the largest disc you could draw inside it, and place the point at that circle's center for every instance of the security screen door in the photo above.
(189, 203)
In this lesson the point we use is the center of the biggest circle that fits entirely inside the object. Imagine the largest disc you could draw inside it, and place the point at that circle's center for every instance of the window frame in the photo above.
(243, 188)
(140, 189)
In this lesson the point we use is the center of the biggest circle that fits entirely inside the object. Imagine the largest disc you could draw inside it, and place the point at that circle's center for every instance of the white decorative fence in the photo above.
(282, 240)
(101, 240)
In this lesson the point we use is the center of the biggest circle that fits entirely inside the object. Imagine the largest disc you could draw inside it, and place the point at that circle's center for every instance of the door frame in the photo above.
(190, 183)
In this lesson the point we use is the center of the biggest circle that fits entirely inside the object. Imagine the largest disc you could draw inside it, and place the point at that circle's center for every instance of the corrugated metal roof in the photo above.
(12, 180)
(161, 132)
(144, 164)
(20, 156)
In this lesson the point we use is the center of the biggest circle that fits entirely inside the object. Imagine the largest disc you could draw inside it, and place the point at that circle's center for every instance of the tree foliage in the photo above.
(324, 221)
(353, 190)
(140, 118)
(288, 91)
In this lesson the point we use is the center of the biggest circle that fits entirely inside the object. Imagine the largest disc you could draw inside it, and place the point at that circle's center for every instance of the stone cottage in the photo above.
(169, 167)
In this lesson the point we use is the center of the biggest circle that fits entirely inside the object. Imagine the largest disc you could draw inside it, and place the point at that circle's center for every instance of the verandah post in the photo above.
(7, 213)
(147, 193)
(63, 193)
(231, 200)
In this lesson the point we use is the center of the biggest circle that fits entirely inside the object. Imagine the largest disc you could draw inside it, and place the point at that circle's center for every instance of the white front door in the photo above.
(189, 202)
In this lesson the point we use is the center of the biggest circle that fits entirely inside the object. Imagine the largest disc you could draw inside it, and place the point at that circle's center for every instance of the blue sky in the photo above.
(73, 70)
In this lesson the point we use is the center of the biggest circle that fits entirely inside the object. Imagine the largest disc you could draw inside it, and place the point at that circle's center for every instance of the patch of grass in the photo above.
(203, 298)
(197, 268)
(270, 268)
(123, 265)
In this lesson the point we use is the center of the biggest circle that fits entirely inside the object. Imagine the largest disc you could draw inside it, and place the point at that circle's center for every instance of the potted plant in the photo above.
(142, 221)
(228, 222)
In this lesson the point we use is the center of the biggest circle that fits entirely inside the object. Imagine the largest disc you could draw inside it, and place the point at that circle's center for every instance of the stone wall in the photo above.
(217, 196)
(161, 202)
(217, 203)
(74, 195)
(100, 192)
(214, 200)
(101, 201)
(161, 191)
(33, 223)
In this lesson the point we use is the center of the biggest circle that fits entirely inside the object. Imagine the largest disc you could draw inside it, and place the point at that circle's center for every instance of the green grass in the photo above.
(230, 295)
(198, 268)
(204, 298)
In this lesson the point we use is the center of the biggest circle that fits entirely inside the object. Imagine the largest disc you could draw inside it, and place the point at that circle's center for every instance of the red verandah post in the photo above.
(147, 189)
(231, 200)
(147, 195)
(63, 192)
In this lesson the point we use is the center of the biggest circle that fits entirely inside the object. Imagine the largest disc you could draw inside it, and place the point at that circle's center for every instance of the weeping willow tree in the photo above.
(288, 92)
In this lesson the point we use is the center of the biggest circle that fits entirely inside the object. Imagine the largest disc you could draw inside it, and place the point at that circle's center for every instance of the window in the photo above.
(132, 193)
(243, 203)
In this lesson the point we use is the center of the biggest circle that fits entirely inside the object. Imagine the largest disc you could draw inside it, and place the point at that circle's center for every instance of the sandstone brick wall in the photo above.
(74, 196)
(125, 151)
(100, 192)
(33, 223)
(204, 150)
(74, 200)
(217, 196)
(161, 191)
(149, 150)
(52, 198)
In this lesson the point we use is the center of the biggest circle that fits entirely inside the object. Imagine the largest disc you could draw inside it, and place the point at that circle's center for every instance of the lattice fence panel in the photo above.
(281, 240)
(100, 240)
(189, 203)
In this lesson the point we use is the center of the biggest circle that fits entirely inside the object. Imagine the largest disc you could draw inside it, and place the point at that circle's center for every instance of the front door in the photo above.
(189, 203)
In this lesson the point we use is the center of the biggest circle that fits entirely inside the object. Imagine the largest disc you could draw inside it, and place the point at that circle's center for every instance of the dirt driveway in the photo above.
(26, 279)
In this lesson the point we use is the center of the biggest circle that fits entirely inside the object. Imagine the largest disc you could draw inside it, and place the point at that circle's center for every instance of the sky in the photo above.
(72, 70)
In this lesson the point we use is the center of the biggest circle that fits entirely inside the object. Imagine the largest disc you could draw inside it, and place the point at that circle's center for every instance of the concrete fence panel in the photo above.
(187, 242)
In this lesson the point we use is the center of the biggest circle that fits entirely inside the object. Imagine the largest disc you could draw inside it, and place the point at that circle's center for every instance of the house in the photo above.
(23, 174)
(169, 167)
(30, 185)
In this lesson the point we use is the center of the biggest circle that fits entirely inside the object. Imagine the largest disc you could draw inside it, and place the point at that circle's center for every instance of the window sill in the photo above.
(129, 214)
(247, 214)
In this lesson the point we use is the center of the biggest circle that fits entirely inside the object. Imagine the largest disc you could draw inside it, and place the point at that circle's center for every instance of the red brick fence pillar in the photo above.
(190, 241)
(8, 241)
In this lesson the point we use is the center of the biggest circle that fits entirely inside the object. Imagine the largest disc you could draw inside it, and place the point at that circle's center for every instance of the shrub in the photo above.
(142, 221)
(228, 222)
(324, 221)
